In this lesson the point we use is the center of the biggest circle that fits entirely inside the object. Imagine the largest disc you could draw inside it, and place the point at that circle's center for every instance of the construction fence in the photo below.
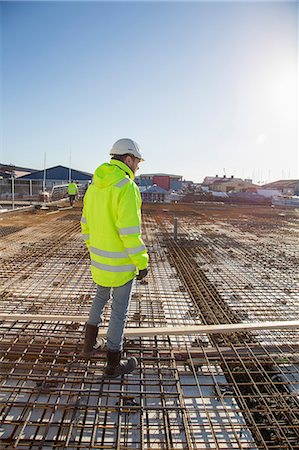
(32, 190)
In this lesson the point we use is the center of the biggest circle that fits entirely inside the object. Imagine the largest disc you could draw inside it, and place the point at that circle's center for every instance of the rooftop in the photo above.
(154, 189)
(159, 175)
(281, 184)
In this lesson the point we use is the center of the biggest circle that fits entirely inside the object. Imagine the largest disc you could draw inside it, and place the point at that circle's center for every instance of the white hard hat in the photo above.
(123, 146)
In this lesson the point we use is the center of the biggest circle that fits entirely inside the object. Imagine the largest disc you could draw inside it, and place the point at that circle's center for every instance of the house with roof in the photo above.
(285, 187)
(231, 184)
(169, 182)
(154, 194)
(58, 175)
(10, 170)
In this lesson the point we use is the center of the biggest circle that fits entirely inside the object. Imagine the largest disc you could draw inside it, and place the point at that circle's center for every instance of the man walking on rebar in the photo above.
(72, 191)
(111, 228)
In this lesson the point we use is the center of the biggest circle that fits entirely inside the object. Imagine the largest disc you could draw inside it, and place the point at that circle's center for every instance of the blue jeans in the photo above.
(119, 312)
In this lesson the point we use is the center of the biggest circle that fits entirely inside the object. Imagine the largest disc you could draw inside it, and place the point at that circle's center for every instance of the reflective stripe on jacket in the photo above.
(111, 225)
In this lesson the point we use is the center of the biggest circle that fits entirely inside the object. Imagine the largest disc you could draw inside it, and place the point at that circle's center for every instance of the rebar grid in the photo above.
(176, 399)
(237, 391)
(257, 277)
(215, 309)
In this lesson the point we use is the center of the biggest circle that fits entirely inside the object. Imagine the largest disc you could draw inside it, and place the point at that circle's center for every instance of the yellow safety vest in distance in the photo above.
(72, 189)
(111, 225)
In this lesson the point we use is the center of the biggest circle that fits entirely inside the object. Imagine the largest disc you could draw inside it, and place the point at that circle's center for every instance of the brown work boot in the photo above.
(91, 345)
(115, 367)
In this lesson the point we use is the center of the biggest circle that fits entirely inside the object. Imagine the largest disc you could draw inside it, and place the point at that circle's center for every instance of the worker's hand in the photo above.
(142, 273)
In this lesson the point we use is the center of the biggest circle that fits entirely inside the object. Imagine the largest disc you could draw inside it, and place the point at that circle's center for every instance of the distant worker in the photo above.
(72, 191)
(111, 228)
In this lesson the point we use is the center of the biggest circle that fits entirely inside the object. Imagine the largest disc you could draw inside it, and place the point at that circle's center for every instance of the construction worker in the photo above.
(72, 191)
(110, 223)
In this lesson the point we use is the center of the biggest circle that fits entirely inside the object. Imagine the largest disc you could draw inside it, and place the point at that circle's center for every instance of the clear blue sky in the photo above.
(203, 87)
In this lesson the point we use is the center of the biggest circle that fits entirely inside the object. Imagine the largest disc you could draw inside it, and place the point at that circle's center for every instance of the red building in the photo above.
(163, 181)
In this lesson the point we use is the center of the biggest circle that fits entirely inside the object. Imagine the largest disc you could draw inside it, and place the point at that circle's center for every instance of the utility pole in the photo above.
(30, 190)
(44, 180)
(70, 166)
(13, 191)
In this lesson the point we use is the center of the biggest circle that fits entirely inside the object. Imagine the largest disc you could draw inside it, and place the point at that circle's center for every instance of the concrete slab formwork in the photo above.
(236, 390)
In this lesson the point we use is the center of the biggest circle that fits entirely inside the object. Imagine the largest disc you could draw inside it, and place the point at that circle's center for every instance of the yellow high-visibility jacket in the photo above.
(72, 189)
(111, 225)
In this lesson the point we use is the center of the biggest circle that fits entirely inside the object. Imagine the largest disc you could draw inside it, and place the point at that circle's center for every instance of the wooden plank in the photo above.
(52, 212)
(65, 208)
(163, 331)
